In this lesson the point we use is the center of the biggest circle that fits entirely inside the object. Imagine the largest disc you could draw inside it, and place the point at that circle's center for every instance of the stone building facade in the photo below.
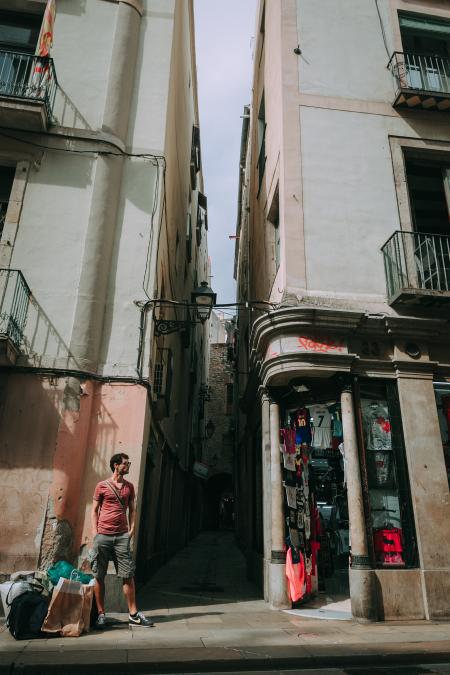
(343, 255)
(103, 212)
(218, 452)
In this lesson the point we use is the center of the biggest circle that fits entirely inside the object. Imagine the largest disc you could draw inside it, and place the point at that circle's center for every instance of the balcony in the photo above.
(422, 81)
(14, 299)
(417, 268)
(28, 88)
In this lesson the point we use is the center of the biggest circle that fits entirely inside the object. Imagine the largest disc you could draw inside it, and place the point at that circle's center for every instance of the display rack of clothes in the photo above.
(309, 438)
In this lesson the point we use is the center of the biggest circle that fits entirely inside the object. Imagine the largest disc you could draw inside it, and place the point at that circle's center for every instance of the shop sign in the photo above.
(200, 470)
(291, 344)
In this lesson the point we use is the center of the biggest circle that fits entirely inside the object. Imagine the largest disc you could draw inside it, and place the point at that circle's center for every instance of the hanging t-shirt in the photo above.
(321, 426)
(302, 423)
(288, 436)
(336, 424)
(295, 573)
(289, 462)
(377, 425)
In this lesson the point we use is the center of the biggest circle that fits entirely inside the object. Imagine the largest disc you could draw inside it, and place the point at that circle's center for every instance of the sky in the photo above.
(224, 43)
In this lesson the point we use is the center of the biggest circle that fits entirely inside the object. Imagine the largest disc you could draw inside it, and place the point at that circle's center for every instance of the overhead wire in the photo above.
(383, 32)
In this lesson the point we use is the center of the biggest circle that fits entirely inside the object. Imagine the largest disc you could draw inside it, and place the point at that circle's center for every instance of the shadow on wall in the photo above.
(66, 113)
(42, 344)
(70, 7)
(138, 190)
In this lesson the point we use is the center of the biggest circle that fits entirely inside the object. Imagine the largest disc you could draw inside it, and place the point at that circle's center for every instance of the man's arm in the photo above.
(131, 516)
(94, 516)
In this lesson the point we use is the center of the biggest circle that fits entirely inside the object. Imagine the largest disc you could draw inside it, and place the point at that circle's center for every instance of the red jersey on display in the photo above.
(288, 436)
(302, 423)
(388, 540)
(112, 518)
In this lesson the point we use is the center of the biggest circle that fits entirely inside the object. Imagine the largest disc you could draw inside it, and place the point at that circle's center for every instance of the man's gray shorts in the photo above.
(115, 547)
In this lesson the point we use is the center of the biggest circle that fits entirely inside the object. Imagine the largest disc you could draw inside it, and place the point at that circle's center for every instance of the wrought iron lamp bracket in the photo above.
(167, 326)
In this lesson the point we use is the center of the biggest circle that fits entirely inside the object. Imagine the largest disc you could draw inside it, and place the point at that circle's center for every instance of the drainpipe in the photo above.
(361, 576)
(87, 329)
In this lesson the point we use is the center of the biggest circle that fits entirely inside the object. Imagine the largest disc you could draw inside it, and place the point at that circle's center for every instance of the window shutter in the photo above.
(425, 25)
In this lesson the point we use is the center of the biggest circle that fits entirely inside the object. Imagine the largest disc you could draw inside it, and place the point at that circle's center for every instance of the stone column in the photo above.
(266, 489)
(428, 481)
(278, 595)
(362, 588)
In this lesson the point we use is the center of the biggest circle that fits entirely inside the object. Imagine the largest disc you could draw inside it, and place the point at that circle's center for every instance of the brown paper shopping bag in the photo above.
(69, 609)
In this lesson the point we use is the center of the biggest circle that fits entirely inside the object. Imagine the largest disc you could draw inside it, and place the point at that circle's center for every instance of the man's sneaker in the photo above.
(101, 621)
(139, 619)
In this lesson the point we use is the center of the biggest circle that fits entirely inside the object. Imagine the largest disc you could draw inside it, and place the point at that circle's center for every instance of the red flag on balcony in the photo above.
(45, 41)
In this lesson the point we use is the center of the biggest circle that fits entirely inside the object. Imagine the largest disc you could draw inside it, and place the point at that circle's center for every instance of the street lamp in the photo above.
(204, 299)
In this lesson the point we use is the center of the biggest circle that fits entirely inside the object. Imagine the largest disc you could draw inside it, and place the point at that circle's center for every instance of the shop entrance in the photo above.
(314, 478)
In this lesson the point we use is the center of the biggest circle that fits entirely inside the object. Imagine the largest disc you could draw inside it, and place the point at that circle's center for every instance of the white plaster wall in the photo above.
(82, 53)
(49, 246)
(149, 105)
(350, 206)
(342, 49)
(121, 326)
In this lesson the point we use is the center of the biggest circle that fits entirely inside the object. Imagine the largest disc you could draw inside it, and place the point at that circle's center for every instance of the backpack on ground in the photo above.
(27, 615)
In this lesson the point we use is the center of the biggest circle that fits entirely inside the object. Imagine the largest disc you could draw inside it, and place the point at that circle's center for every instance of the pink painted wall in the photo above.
(49, 452)
(119, 423)
(30, 409)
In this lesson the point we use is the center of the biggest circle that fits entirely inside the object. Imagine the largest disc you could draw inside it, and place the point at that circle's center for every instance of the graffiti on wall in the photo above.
(295, 344)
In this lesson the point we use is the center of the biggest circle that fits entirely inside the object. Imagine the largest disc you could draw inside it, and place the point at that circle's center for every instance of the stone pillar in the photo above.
(266, 489)
(428, 482)
(278, 595)
(362, 589)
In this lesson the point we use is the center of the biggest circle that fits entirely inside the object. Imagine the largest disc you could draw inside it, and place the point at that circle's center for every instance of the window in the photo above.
(384, 471)
(429, 195)
(202, 216)
(274, 217)
(195, 156)
(19, 34)
(189, 237)
(162, 376)
(442, 393)
(6, 181)
(426, 45)
(261, 142)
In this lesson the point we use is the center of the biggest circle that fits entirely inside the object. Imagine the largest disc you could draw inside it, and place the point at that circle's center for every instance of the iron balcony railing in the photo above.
(421, 72)
(14, 299)
(416, 260)
(28, 77)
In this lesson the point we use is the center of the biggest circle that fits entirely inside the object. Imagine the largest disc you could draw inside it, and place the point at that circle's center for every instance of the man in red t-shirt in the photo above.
(113, 521)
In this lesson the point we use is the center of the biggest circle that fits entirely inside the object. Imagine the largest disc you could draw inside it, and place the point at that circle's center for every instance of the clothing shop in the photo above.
(314, 469)
(355, 435)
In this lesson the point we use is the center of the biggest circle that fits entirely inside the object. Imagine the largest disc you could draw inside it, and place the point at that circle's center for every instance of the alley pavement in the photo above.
(210, 619)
